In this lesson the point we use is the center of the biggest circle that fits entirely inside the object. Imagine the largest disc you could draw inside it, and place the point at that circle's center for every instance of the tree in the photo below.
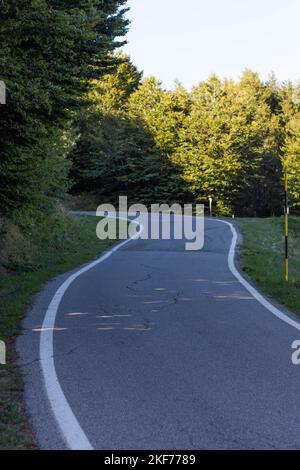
(117, 156)
(110, 93)
(50, 50)
(229, 147)
(163, 112)
(227, 140)
(291, 158)
(116, 153)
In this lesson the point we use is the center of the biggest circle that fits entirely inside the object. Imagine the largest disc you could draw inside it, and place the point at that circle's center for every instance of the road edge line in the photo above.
(254, 292)
(69, 427)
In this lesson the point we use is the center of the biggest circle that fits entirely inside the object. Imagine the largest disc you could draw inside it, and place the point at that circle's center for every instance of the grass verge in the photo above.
(57, 245)
(262, 258)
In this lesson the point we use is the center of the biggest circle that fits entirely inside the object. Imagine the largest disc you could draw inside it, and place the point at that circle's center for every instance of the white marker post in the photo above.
(210, 206)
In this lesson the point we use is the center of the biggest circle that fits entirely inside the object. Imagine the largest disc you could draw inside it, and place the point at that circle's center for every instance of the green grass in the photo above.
(262, 258)
(40, 256)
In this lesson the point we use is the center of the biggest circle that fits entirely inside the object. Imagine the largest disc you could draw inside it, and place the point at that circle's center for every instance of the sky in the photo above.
(188, 40)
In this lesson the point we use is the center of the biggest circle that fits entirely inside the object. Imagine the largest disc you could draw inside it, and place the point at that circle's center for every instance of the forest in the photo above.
(80, 118)
(227, 140)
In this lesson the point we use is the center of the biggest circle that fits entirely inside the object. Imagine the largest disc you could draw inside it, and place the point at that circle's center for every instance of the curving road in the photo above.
(159, 348)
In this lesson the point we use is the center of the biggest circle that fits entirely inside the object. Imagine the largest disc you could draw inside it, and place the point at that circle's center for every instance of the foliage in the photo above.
(50, 50)
(117, 154)
(80, 115)
(292, 160)
(226, 140)
(230, 146)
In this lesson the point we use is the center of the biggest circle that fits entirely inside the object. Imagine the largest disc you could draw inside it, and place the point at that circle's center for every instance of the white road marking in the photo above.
(259, 297)
(70, 428)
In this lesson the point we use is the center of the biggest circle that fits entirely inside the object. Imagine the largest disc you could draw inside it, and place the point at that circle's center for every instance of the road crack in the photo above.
(138, 281)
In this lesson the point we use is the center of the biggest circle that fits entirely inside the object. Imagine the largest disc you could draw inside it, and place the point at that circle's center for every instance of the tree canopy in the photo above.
(50, 51)
(224, 139)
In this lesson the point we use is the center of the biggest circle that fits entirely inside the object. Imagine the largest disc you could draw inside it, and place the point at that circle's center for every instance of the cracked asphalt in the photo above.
(159, 348)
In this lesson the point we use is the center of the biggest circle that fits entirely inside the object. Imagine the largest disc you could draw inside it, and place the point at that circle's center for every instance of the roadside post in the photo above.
(210, 206)
(286, 226)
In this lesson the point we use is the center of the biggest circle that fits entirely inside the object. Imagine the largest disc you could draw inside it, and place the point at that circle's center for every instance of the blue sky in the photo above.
(190, 39)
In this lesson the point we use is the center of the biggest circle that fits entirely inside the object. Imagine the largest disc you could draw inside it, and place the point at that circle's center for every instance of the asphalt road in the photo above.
(159, 348)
